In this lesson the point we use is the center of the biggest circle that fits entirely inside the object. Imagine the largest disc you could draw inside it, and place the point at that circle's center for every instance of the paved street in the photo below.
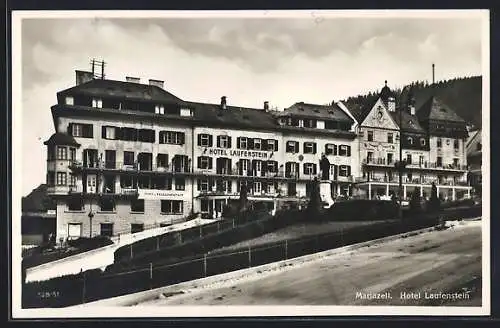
(437, 263)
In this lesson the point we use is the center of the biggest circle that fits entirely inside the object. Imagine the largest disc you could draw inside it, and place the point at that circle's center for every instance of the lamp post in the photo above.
(400, 165)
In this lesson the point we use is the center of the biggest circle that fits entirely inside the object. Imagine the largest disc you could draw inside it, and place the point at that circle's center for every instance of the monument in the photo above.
(325, 184)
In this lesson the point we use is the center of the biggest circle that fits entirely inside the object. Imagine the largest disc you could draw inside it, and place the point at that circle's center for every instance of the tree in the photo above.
(434, 202)
(243, 201)
(314, 205)
(415, 206)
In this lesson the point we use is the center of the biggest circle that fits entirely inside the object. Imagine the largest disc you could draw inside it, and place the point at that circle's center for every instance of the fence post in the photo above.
(131, 251)
(218, 226)
(205, 264)
(201, 233)
(180, 237)
(151, 275)
(286, 249)
(233, 223)
(84, 287)
(158, 243)
(249, 256)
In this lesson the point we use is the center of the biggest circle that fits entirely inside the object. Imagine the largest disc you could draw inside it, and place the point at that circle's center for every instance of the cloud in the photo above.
(282, 60)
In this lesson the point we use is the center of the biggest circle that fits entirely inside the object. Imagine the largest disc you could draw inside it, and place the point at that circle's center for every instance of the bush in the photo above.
(361, 210)
(433, 204)
(415, 202)
(90, 243)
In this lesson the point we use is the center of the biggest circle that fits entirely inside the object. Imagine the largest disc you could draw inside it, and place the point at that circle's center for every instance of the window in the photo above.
(422, 142)
(455, 162)
(455, 144)
(272, 166)
(309, 148)
(186, 112)
(180, 183)
(159, 109)
(172, 137)
(107, 229)
(369, 157)
(81, 130)
(223, 141)
(310, 123)
(109, 132)
(172, 206)
(61, 179)
(344, 170)
(309, 168)
(291, 169)
(257, 187)
(257, 144)
(168, 183)
(72, 180)
(97, 103)
(410, 140)
(330, 149)
(292, 189)
(62, 152)
(136, 227)
(75, 204)
(272, 145)
(408, 158)
(110, 159)
(439, 161)
(129, 134)
(344, 150)
(70, 101)
(439, 143)
(421, 160)
(162, 160)
(223, 186)
(72, 154)
(137, 205)
(390, 158)
(242, 143)
(128, 158)
(478, 146)
(390, 137)
(146, 135)
(204, 205)
(204, 162)
(292, 147)
(128, 182)
(203, 185)
(370, 136)
(107, 204)
(204, 140)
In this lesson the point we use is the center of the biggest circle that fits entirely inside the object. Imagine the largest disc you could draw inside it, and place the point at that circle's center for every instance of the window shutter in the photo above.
(161, 137)
(348, 150)
(218, 141)
(297, 145)
(199, 162)
(314, 148)
(210, 163)
(335, 151)
(304, 168)
(198, 184)
(250, 144)
(229, 142)
(70, 129)
(304, 145)
(238, 141)
(182, 138)
(118, 133)
(314, 169)
(199, 139)
(348, 170)
(210, 140)
(103, 132)
(276, 144)
(288, 166)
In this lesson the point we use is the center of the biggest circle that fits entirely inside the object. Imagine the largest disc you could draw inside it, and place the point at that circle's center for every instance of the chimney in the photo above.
(157, 83)
(412, 109)
(83, 77)
(433, 67)
(223, 102)
(266, 105)
(132, 79)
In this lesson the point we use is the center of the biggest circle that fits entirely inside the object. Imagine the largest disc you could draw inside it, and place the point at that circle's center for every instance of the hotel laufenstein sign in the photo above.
(237, 153)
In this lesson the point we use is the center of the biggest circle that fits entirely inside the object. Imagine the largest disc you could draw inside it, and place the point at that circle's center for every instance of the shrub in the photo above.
(434, 203)
(415, 205)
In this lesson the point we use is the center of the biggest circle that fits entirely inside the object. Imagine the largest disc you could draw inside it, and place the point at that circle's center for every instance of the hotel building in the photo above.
(433, 147)
(126, 156)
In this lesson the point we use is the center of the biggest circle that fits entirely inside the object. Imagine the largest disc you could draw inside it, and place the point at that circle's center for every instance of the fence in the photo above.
(171, 239)
(94, 285)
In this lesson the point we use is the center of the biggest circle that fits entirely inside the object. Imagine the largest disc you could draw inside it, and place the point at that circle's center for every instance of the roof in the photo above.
(435, 109)
(331, 112)
(61, 139)
(38, 201)
(410, 122)
(233, 116)
(472, 142)
(121, 89)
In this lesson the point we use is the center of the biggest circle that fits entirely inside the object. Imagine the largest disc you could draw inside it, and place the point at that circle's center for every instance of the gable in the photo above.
(379, 117)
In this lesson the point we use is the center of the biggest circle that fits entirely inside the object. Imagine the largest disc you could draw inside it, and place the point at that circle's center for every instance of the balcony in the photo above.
(419, 165)
(378, 162)
(130, 167)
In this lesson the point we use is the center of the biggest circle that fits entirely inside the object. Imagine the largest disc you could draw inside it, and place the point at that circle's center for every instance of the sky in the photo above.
(314, 58)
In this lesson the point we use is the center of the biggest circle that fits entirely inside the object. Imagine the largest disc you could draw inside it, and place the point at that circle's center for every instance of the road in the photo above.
(434, 264)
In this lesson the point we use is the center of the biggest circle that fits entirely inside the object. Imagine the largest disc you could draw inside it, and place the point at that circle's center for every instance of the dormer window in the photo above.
(159, 109)
(410, 140)
(186, 112)
(97, 103)
(70, 100)
(422, 142)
